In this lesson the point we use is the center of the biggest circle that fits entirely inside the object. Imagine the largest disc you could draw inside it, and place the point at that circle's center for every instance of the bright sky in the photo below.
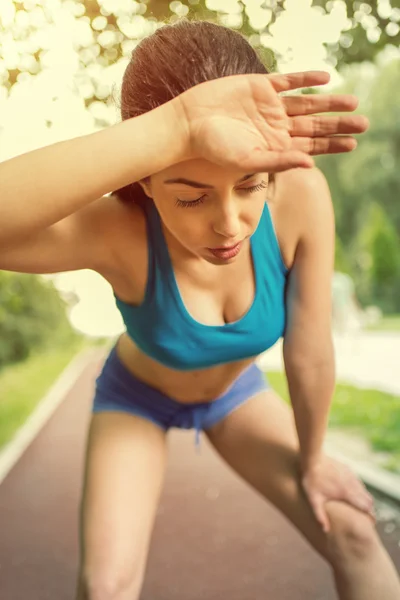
(57, 93)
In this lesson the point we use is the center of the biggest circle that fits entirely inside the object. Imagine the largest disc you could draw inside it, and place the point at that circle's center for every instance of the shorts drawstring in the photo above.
(197, 418)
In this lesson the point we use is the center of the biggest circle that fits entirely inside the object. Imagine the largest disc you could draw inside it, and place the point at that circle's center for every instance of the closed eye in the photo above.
(256, 188)
(248, 190)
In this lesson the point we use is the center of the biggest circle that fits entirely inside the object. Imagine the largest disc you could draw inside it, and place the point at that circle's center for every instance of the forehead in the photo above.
(201, 170)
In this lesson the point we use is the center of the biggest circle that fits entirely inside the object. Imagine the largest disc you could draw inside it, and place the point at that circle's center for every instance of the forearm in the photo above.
(311, 385)
(42, 187)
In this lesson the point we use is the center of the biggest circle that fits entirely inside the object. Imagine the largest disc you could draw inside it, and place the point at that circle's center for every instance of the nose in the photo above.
(226, 222)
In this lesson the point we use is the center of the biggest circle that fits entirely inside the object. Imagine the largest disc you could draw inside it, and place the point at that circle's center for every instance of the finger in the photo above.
(361, 501)
(292, 81)
(356, 489)
(322, 125)
(307, 104)
(274, 162)
(372, 513)
(324, 145)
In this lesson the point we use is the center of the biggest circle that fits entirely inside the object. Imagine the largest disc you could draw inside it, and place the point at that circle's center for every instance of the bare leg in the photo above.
(259, 441)
(124, 472)
(361, 565)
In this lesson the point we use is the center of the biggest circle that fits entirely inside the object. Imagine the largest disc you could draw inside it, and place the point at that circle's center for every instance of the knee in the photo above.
(108, 583)
(352, 535)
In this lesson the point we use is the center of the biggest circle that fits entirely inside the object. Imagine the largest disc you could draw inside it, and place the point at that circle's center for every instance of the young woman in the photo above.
(218, 242)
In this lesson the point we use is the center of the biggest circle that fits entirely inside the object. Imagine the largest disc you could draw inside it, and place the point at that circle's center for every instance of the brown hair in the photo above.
(175, 58)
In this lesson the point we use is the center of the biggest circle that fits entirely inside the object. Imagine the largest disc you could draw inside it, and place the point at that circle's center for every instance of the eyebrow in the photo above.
(197, 184)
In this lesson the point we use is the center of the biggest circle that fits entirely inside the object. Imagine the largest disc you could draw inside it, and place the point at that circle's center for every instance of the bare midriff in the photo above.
(204, 385)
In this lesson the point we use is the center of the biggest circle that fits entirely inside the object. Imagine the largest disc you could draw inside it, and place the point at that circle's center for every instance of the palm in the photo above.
(242, 122)
(245, 130)
(231, 142)
(329, 480)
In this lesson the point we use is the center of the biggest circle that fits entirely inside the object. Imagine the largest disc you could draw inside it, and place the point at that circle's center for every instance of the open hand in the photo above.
(242, 122)
(329, 479)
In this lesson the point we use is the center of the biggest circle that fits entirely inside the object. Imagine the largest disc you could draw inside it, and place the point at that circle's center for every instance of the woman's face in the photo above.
(206, 207)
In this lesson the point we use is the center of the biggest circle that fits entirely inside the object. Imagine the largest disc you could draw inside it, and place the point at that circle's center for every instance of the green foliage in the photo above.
(365, 187)
(342, 262)
(385, 268)
(371, 26)
(373, 414)
(379, 248)
(31, 314)
(23, 384)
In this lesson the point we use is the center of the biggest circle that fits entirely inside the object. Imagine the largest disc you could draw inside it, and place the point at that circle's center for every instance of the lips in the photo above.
(225, 248)
(226, 251)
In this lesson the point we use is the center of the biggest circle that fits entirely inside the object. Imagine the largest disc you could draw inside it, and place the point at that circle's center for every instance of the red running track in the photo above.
(214, 538)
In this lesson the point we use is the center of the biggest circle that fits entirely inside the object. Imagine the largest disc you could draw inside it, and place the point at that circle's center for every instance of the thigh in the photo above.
(259, 441)
(124, 467)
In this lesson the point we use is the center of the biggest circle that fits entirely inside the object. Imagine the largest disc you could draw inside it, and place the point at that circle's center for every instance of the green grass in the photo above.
(23, 385)
(373, 414)
(387, 323)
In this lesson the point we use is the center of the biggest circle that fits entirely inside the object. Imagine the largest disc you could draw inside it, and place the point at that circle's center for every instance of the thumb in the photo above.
(318, 506)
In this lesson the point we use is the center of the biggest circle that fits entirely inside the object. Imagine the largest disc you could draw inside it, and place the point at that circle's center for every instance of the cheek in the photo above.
(191, 228)
(252, 215)
(185, 225)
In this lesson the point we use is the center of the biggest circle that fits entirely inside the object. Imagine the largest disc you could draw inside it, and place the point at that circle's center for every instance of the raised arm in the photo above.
(46, 185)
(239, 122)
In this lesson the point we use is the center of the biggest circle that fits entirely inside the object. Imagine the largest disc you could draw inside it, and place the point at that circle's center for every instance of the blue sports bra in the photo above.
(164, 330)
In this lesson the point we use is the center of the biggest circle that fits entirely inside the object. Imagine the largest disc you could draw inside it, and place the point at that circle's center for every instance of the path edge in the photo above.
(46, 407)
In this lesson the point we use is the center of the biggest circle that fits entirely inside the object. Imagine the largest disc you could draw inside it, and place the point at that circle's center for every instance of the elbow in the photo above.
(310, 362)
(324, 362)
(307, 376)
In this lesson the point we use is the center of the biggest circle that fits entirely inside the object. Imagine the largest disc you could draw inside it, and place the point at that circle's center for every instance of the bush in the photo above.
(31, 314)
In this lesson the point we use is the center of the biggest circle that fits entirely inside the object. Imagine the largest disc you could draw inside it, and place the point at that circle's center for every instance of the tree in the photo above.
(370, 26)
(377, 254)
(365, 187)
(31, 314)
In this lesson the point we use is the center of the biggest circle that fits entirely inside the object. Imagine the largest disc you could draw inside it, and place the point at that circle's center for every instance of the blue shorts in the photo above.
(118, 389)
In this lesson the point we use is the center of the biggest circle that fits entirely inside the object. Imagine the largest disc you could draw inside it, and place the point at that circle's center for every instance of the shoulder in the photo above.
(302, 196)
(115, 226)
(302, 187)
(110, 210)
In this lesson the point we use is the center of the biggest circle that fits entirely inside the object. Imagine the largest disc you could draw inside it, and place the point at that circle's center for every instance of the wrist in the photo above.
(153, 142)
(173, 115)
(307, 463)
